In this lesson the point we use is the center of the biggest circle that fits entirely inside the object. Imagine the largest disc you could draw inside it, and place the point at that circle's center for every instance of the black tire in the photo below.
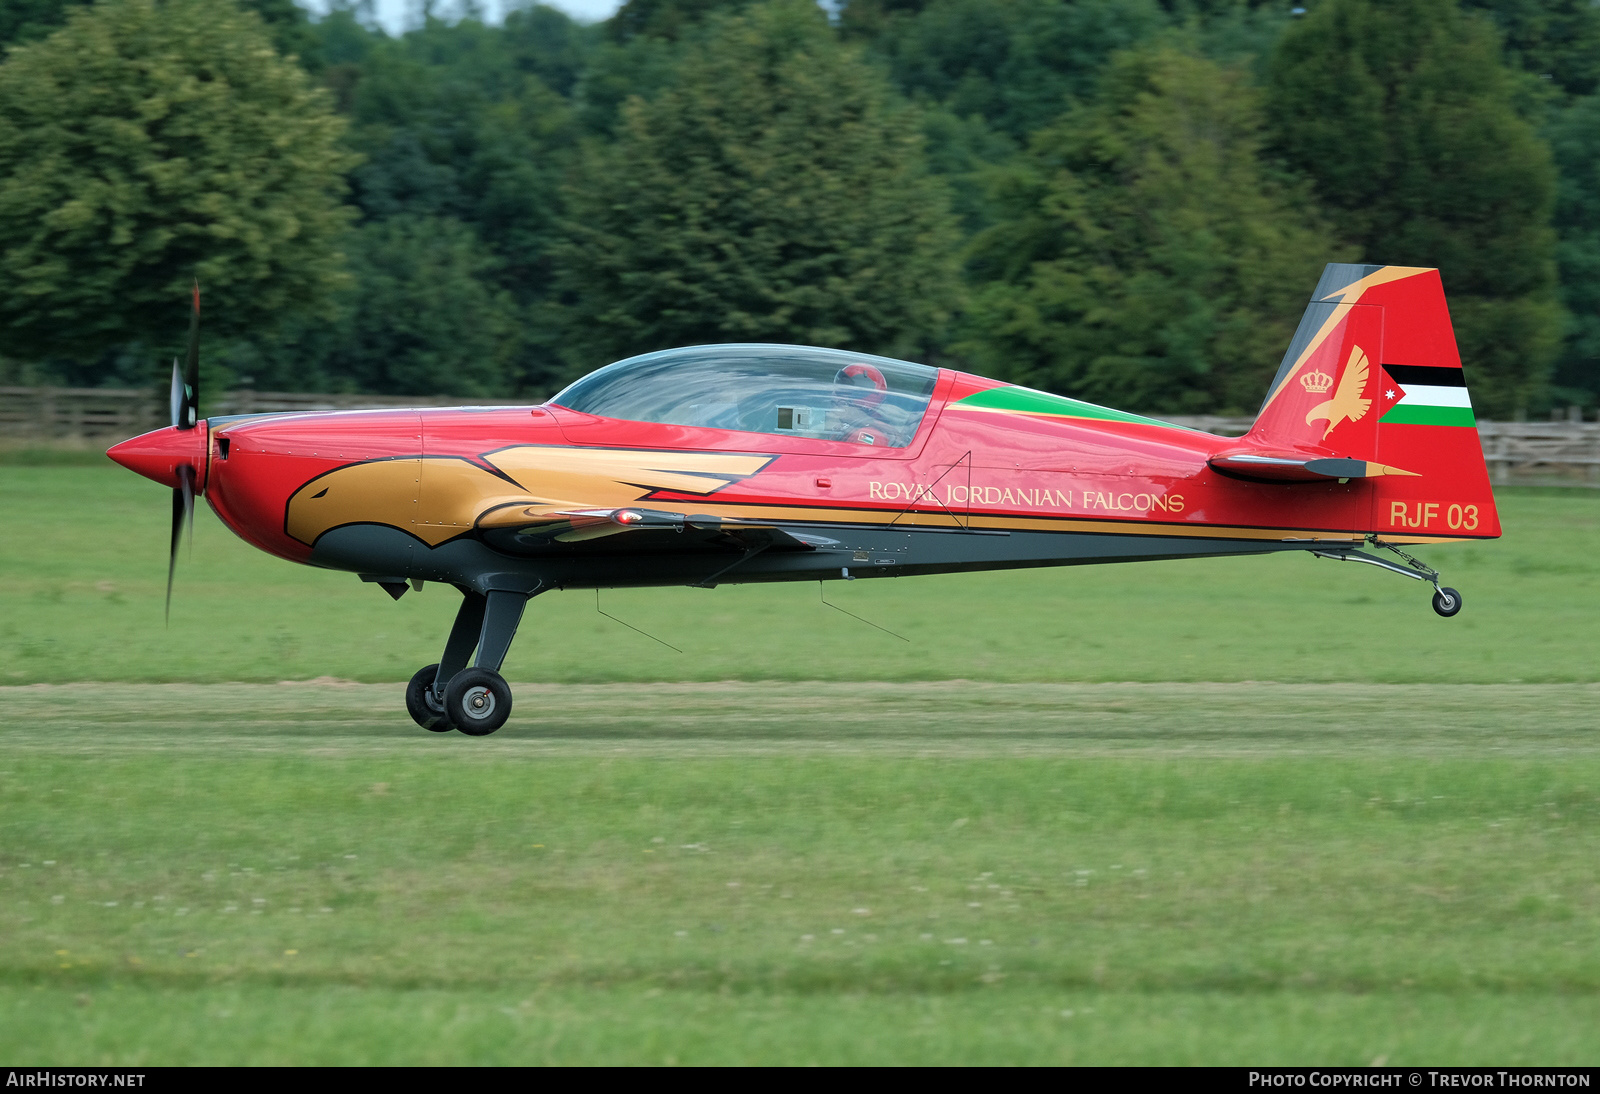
(478, 701)
(425, 708)
(1447, 602)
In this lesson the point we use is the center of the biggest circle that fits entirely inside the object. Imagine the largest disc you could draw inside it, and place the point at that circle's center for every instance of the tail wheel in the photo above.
(1446, 601)
(424, 704)
(478, 701)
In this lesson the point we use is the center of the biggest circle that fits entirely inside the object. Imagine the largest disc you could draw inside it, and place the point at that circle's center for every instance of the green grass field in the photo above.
(83, 569)
(801, 840)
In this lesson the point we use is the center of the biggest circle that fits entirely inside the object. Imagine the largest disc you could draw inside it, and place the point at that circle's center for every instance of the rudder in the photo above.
(1373, 374)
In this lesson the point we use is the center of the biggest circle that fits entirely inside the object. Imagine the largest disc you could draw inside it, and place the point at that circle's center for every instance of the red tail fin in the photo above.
(1373, 375)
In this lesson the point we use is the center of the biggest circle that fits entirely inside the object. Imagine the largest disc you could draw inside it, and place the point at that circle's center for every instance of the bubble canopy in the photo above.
(803, 391)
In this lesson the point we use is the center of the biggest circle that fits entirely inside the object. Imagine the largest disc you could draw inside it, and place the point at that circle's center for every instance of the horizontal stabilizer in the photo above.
(1292, 467)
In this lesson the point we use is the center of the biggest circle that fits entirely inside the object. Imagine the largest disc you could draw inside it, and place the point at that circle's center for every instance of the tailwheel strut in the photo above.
(1446, 601)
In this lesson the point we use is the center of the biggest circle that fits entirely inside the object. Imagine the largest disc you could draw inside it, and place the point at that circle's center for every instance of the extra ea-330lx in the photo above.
(732, 463)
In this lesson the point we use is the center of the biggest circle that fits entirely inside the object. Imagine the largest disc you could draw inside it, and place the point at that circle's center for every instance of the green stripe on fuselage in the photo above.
(1408, 414)
(1021, 400)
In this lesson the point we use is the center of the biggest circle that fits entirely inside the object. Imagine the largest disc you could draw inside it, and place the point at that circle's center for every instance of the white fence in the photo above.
(56, 415)
(1563, 453)
(90, 417)
(249, 401)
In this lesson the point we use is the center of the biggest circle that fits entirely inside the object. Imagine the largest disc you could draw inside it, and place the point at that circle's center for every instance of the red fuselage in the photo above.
(1040, 466)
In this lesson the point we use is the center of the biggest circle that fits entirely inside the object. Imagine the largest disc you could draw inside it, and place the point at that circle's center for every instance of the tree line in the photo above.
(1123, 200)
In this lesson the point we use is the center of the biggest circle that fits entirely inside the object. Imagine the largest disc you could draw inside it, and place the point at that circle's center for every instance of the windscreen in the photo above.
(788, 390)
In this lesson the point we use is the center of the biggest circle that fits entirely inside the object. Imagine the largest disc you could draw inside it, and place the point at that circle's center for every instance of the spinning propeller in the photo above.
(185, 400)
(186, 383)
(176, 456)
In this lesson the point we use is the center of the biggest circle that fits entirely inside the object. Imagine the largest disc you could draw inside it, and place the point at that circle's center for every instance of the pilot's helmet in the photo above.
(865, 379)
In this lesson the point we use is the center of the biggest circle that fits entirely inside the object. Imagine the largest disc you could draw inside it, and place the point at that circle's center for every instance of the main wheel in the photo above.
(424, 704)
(1446, 602)
(478, 701)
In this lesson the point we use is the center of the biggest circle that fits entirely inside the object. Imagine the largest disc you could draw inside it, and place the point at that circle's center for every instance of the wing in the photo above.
(528, 531)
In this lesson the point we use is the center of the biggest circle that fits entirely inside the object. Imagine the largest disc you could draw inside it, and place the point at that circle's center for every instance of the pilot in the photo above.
(859, 390)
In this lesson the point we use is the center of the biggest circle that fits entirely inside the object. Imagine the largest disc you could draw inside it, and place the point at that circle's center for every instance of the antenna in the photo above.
(854, 616)
(630, 626)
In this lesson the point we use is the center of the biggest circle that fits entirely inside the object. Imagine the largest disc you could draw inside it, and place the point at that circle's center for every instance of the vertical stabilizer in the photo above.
(1373, 374)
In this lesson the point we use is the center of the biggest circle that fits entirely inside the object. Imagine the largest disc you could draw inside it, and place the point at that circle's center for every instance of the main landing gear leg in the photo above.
(463, 639)
(478, 699)
(474, 699)
(1446, 601)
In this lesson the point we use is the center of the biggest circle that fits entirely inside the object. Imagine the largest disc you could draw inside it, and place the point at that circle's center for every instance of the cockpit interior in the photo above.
(786, 390)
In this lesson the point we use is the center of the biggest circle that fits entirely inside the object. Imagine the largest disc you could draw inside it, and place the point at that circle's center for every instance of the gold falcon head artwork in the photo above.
(436, 498)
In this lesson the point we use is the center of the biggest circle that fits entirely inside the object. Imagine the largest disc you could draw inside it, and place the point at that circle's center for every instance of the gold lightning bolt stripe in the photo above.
(597, 477)
(1348, 297)
(940, 518)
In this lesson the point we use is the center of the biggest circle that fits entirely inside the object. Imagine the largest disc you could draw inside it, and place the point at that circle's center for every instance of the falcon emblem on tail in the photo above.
(1347, 403)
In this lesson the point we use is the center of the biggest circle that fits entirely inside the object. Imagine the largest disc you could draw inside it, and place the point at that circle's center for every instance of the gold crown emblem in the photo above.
(1316, 382)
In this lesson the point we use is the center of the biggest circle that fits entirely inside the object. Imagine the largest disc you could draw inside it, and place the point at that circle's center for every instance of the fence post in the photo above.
(47, 414)
(74, 424)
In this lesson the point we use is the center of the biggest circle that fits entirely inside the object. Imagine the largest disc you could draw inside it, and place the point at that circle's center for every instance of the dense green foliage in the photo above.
(145, 144)
(773, 193)
(1402, 114)
(1015, 63)
(1142, 256)
(23, 21)
(1125, 200)
(1557, 40)
(26, 20)
(1575, 140)
(462, 128)
(426, 317)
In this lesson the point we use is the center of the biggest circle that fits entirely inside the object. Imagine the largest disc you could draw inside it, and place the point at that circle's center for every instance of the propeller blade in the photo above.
(176, 397)
(185, 401)
(172, 555)
(191, 367)
(182, 515)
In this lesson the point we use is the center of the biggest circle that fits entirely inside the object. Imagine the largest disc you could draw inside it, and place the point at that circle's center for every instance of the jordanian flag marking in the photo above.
(1424, 395)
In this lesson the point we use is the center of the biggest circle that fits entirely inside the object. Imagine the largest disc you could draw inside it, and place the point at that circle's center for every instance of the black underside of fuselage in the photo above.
(656, 558)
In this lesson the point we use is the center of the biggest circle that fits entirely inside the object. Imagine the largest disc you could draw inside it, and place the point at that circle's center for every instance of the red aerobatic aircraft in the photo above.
(734, 463)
